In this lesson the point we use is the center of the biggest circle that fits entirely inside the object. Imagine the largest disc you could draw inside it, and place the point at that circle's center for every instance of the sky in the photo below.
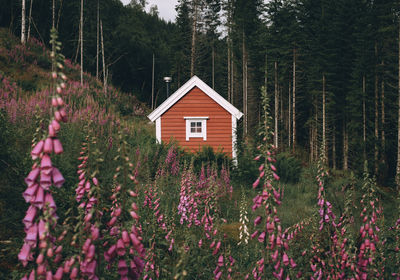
(166, 8)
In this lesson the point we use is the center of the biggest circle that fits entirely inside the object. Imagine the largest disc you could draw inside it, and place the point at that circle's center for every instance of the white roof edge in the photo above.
(177, 95)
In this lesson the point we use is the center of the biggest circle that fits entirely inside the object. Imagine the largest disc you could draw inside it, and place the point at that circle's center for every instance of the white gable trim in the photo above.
(183, 90)
(158, 130)
(234, 139)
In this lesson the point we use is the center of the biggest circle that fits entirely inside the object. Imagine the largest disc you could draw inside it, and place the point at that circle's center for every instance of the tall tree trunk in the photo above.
(97, 39)
(59, 14)
(233, 86)
(289, 120)
(229, 70)
(23, 24)
(294, 101)
(152, 84)
(311, 143)
(345, 147)
(376, 150)
(324, 118)
(81, 35)
(398, 113)
(276, 132)
(229, 55)
(364, 121)
(383, 117)
(213, 66)
(281, 115)
(193, 46)
(104, 61)
(334, 148)
(53, 14)
(265, 85)
(244, 69)
(266, 74)
(315, 132)
(30, 19)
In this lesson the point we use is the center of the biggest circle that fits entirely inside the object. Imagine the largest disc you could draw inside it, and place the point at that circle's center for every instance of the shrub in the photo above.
(288, 168)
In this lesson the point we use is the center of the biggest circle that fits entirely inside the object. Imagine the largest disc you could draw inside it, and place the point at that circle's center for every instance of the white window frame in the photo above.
(202, 134)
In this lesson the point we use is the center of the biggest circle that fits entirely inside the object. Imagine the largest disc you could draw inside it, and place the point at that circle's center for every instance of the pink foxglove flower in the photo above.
(63, 114)
(120, 247)
(122, 268)
(56, 125)
(45, 180)
(125, 237)
(58, 148)
(31, 235)
(45, 164)
(60, 102)
(48, 200)
(59, 273)
(134, 215)
(57, 177)
(95, 181)
(57, 116)
(23, 255)
(95, 233)
(30, 192)
(39, 199)
(32, 176)
(261, 237)
(30, 215)
(74, 273)
(285, 259)
(255, 184)
(52, 132)
(48, 145)
(220, 260)
(42, 229)
(37, 150)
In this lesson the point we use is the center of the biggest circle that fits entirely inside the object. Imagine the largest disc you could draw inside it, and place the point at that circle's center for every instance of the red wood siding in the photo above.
(197, 104)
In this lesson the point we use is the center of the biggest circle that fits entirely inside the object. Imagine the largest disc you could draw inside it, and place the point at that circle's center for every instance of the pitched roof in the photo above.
(183, 90)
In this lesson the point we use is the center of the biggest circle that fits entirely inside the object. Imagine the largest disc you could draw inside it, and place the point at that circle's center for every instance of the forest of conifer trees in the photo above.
(330, 68)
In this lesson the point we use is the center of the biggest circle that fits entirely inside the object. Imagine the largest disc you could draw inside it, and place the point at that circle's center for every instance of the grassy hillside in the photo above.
(25, 80)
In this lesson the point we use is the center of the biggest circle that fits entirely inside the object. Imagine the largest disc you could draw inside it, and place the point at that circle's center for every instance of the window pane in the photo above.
(198, 124)
(192, 124)
(199, 130)
(192, 130)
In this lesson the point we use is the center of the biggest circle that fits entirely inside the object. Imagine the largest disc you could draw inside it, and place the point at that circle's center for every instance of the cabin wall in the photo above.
(197, 104)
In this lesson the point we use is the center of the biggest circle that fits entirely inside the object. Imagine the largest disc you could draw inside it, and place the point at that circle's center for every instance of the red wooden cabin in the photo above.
(196, 115)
